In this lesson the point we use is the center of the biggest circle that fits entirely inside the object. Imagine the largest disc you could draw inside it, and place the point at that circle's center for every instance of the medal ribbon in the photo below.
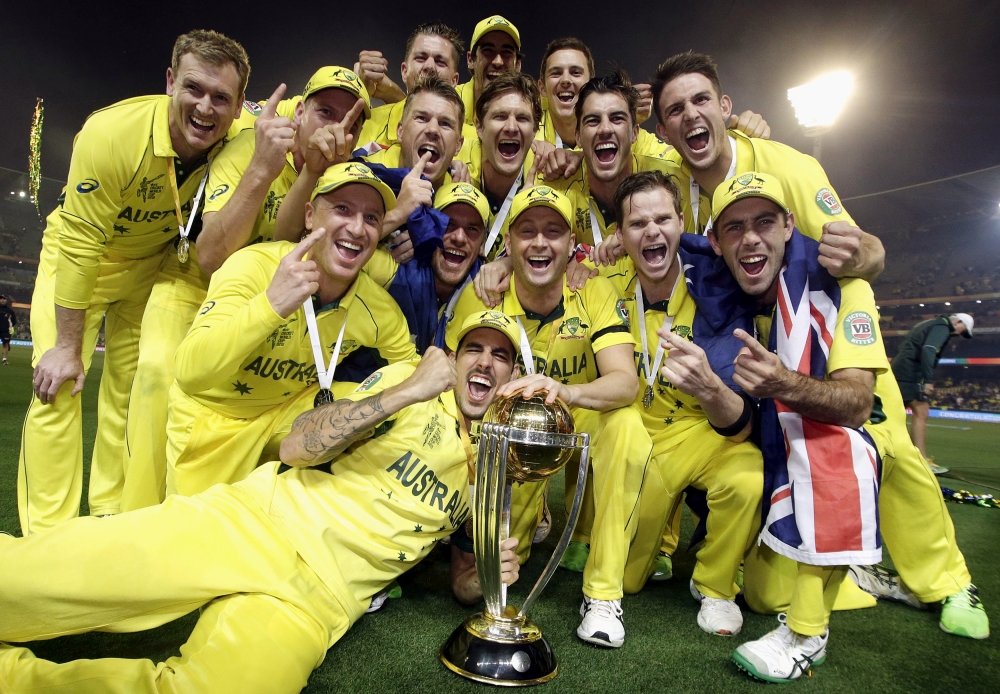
(324, 374)
(526, 356)
(595, 226)
(185, 229)
(502, 214)
(668, 322)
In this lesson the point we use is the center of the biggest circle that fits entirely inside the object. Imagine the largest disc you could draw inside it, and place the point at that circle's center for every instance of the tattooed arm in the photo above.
(320, 435)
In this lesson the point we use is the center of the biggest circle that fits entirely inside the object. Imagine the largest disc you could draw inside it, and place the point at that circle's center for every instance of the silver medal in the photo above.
(323, 397)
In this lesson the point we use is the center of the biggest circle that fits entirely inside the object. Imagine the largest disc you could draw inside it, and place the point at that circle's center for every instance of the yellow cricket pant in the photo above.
(619, 451)
(50, 466)
(732, 476)
(771, 584)
(177, 295)
(267, 619)
(916, 526)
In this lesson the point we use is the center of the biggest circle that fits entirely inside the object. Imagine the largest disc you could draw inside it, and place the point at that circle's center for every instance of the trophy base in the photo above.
(506, 652)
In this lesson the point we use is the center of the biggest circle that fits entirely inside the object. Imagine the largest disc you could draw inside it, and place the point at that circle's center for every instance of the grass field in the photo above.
(891, 648)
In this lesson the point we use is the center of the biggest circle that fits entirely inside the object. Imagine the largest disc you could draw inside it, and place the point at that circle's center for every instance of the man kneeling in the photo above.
(282, 563)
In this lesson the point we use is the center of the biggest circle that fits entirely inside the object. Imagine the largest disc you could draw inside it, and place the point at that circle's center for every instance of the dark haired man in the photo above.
(692, 109)
(136, 168)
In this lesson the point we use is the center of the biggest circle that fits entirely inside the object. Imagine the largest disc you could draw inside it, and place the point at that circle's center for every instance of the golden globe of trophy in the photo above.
(523, 440)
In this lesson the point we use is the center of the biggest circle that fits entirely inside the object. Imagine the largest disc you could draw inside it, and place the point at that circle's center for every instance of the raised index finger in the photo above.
(418, 168)
(353, 114)
(756, 348)
(271, 107)
(308, 242)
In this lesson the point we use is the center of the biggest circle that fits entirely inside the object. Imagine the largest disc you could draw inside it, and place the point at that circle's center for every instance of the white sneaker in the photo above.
(378, 601)
(545, 527)
(720, 617)
(602, 623)
(782, 655)
(883, 584)
(695, 593)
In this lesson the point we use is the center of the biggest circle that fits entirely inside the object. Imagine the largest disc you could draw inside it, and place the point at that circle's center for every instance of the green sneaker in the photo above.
(663, 569)
(395, 590)
(575, 557)
(963, 614)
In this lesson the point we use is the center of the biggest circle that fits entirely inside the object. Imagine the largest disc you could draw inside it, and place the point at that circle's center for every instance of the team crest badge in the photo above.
(745, 179)
(346, 346)
(828, 202)
(859, 329)
(467, 189)
(572, 329)
(623, 313)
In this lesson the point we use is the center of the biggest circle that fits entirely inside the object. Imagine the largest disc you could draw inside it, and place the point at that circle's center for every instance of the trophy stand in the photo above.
(526, 441)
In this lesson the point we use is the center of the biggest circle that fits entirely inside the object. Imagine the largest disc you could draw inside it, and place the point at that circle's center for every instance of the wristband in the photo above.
(736, 427)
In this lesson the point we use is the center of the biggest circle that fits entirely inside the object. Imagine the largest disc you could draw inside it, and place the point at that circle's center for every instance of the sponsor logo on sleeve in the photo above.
(859, 329)
(828, 202)
(88, 185)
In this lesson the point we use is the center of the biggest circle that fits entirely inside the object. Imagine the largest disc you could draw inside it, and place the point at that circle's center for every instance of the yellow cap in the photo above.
(352, 172)
(491, 319)
(748, 185)
(335, 77)
(463, 192)
(496, 23)
(545, 197)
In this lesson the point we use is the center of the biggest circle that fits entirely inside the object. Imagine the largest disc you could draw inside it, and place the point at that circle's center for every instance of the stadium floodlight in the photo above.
(818, 103)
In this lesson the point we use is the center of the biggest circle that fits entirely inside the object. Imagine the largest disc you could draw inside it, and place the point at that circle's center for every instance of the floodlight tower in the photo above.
(818, 103)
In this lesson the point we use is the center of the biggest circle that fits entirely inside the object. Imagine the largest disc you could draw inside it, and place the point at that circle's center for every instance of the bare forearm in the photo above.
(69, 328)
(291, 218)
(872, 259)
(610, 391)
(319, 435)
(229, 229)
(845, 403)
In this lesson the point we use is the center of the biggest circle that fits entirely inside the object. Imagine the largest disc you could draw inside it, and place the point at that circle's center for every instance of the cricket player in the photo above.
(428, 287)
(8, 319)
(914, 370)
(495, 50)
(246, 185)
(574, 345)
(500, 157)
(697, 423)
(256, 355)
(282, 564)
(692, 110)
(432, 49)
(136, 167)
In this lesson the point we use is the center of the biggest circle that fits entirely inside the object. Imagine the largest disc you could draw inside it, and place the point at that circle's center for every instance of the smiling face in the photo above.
(565, 74)
(651, 232)
(506, 132)
(538, 245)
(693, 119)
(431, 54)
(484, 362)
(324, 108)
(495, 54)
(205, 99)
(606, 134)
(430, 124)
(750, 235)
(462, 241)
(352, 216)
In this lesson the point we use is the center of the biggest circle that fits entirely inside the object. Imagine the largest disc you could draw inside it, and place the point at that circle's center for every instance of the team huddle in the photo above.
(310, 303)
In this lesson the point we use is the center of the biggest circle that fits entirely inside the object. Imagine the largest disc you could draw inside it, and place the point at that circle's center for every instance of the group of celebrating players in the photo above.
(309, 305)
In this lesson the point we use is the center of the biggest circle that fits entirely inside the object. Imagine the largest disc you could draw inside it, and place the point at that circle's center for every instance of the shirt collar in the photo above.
(343, 302)
(512, 306)
(162, 145)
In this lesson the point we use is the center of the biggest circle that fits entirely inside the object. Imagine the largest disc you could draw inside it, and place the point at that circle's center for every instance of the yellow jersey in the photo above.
(807, 190)
(233, 161)
(563, 343)
(577, 189)
(241, 358)
(467, 91)
(672, 412)
(646, 144)
(120, 197)
(382, 505)
(382, 127)
(857, 344)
